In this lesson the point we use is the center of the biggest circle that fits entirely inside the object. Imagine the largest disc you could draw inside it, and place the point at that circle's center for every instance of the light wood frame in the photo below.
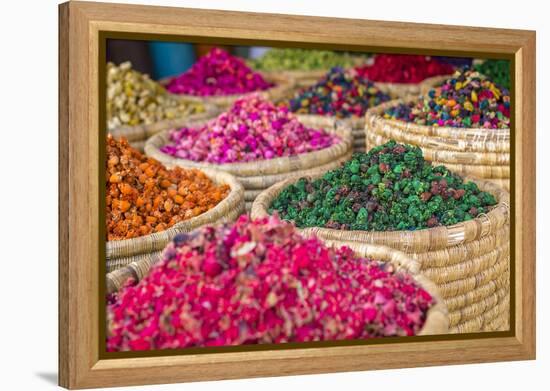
(80, 23)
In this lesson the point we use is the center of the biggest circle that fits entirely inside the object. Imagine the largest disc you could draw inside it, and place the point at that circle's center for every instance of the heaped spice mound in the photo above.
(496, 70)
(404, 68)
(218, 73)
(252, 129)
(134, 99)
(303, 60)
(389, 188)
(144, 197)
(339, 93)
(261, 282)
(467, 100)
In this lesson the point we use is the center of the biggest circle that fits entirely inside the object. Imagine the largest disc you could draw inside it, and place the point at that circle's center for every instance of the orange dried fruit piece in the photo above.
(143, 196)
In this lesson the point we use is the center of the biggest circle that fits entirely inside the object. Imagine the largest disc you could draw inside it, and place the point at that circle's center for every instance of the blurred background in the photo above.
(164, 59)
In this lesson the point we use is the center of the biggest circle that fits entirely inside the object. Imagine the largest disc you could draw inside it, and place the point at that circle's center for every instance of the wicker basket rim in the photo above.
(429, 150)
(373, 115)
(211, 111)
(281, 83)
(269, 166)
(458, 230)
(437, 319)
(427, 80)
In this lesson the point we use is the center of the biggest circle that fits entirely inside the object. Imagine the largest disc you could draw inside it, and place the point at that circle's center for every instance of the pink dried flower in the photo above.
(252, 129)
(261, 282)
(218, 73)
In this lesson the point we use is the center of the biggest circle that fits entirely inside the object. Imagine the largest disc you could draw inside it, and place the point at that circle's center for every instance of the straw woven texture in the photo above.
(140, 133)
(301, 79)
(123, 252)
(405, 90)
(259, 175)
(282, 85)
(437, 320)
(468, 261)
(139, 145)
(357, 125)
(479, 153)
(431, 82)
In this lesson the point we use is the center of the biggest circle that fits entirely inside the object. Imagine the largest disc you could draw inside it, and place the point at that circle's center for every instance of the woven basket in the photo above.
(302, 79)
(120, 253)
(259, 175)
(405, 90)
(468, 261)
(479, 153)
(357, 125)
(137, 135)
(437, 319)
(431, 82)
(280, 90)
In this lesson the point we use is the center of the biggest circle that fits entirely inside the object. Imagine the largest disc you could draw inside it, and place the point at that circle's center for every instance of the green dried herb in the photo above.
(304, 60)
(389, 188)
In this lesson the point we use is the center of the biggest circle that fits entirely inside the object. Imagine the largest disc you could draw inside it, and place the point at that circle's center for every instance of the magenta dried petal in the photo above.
(261, 282)
(252, 129)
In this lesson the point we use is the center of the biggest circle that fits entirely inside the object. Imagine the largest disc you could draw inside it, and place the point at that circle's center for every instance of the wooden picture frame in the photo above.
(81, 25)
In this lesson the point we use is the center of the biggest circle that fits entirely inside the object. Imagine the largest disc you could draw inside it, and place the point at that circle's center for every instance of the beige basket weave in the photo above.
(137, 135)
(437, 319)
(469, 261)
(282, 84)
(405, 90)
(120, 253)
(431, 82)
(259, 175)
(301, 79)
(357, 125)
(479, 153)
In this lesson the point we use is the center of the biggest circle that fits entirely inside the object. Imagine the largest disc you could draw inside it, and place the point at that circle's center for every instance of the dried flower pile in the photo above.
(261, 282)
(144, 197)
(134, 99)
(302, 60)
(252, 129)
(218, 73)
(339, 93)
(466, 100)
(389, 188)
(404, 68)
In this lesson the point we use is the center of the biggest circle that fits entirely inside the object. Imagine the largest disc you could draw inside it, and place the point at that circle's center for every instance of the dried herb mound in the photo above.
(340, 93)
(389, 188)
(252, 129)
(144, 197)
(303, 60)
(218, 73)
(466, 100)
(261, 282)
(134, 99)
(404, 68)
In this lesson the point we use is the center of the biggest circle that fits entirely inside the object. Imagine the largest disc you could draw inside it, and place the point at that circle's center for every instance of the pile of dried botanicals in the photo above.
(466, 100)
(302, 60)
(404, 68)
(252, 129)
(144, 197)
(389, 188)
(496, 70)
(218, 73)
(134, 99)
(261, 282)
(339, 93)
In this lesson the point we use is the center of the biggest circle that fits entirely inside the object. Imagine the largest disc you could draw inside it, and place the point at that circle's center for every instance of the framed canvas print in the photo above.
(247, 195)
